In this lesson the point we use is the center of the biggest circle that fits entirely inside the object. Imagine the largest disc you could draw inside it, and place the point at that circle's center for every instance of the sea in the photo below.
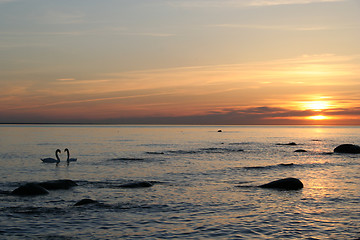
(203, 182)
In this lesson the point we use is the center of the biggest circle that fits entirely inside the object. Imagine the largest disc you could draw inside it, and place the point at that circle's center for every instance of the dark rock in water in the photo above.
(137, 184)
(300, 150)
(286, 164)
(58, 184)
(219, 130)
(5, 192)
(327, 153)
(286, 184)
(287, 144)
(347, 148)
(85, 201)
(30, 189)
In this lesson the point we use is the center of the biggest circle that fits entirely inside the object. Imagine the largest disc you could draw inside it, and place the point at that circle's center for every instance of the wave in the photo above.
(114, 183)
(293, 165)
(155, 153)
(206, 150)
(124, 159)
(69, 208)
(271, 166)
(241, 143)
(35, 210)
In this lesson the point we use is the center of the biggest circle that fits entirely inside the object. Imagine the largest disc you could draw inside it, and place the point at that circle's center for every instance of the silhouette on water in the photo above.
(52, 160)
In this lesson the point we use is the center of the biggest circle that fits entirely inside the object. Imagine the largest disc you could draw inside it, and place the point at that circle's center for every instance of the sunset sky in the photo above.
(180, 61)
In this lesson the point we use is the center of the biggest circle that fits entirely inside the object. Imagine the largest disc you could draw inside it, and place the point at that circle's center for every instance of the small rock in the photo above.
(58, 184)
(30, 189)
(287, 144)
(286, 184)
(85, 201)
(286, 164)
(136, 184)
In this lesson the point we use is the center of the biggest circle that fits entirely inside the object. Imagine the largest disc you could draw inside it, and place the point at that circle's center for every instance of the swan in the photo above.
(68, 156)
(52, 160)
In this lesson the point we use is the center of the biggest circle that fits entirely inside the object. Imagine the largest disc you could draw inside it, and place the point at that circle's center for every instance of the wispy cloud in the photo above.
(288, 2)
(244, 3)
(108, 31)
(257, 90)
(67, 81)
(279, 27)
(61, 17)
(250, 115)
(6, 1)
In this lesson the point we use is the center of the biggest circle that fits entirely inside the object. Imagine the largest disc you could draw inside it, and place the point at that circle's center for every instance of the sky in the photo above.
(180, 61)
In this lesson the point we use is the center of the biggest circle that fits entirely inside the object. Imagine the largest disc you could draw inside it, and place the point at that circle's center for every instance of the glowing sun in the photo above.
(316, 105)
(318, 117)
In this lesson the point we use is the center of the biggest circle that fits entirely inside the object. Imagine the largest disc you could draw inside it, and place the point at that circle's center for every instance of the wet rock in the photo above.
(347, 148)
(286, 164)
(287, 144)
(29, 189)
(85, 201)
(141, 184)
(285, 184)
(58, 184)
(300, 150)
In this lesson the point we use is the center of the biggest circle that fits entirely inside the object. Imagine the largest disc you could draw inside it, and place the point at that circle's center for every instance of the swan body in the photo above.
(68, 156)
(52, 160)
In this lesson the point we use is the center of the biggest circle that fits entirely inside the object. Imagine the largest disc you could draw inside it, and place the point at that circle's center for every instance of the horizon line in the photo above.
(179, 124)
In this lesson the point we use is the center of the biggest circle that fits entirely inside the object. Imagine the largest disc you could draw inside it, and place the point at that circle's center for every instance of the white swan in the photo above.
(68, 156)
(52, 160)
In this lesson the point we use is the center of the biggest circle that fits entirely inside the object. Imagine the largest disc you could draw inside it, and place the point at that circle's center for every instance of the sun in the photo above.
(318, 117)
(317, 108)
(316, 105)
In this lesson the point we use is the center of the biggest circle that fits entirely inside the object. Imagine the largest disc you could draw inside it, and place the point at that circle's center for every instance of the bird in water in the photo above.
(52, 160)
(68, 157)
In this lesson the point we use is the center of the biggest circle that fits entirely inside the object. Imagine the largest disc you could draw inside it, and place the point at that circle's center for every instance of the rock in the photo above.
(287, 144)
(58, 184)
(300, 150)
(30, 189)
(219, 130)
(347, 148)
(85, 201)
(286, 164)
(136, 184)
(286, 184)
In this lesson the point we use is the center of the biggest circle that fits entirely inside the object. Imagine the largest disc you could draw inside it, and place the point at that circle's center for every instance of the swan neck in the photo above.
(68, 154)
(57, 156)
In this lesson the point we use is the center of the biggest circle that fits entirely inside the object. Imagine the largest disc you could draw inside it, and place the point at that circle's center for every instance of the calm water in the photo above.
(201, 182)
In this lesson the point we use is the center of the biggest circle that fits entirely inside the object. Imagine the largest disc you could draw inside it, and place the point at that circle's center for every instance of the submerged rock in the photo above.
(287, 144)
(286, 164)
(58, 184)
(141, 184)
(286, 184)
(30, 189)
(85, 201)
(300, 150)
(347, 148)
